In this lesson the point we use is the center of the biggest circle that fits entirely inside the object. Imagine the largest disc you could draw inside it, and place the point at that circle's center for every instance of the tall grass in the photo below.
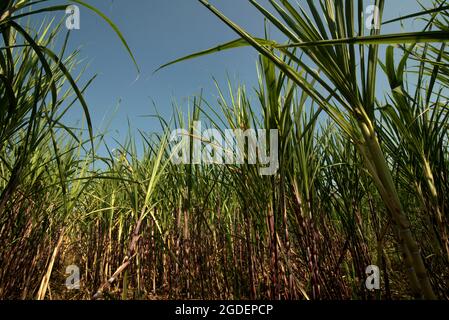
(330, 37)
(362, 178)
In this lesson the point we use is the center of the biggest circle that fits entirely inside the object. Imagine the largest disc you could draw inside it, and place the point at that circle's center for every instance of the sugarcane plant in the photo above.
(362, 175)
(37, 87)
(331, 36)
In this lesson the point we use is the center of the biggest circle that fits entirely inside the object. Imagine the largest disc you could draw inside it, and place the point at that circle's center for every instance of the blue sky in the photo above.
(157, 32)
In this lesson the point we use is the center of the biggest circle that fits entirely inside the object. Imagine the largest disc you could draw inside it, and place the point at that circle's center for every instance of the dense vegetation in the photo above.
(363, 176)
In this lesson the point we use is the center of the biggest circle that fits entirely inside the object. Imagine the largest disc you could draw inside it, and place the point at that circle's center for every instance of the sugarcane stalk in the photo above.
(391, 199)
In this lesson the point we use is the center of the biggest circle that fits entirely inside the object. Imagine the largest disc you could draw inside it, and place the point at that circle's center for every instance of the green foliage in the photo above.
(362, 177)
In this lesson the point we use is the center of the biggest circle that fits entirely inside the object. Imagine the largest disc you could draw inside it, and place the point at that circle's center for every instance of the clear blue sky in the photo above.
(159, 31)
